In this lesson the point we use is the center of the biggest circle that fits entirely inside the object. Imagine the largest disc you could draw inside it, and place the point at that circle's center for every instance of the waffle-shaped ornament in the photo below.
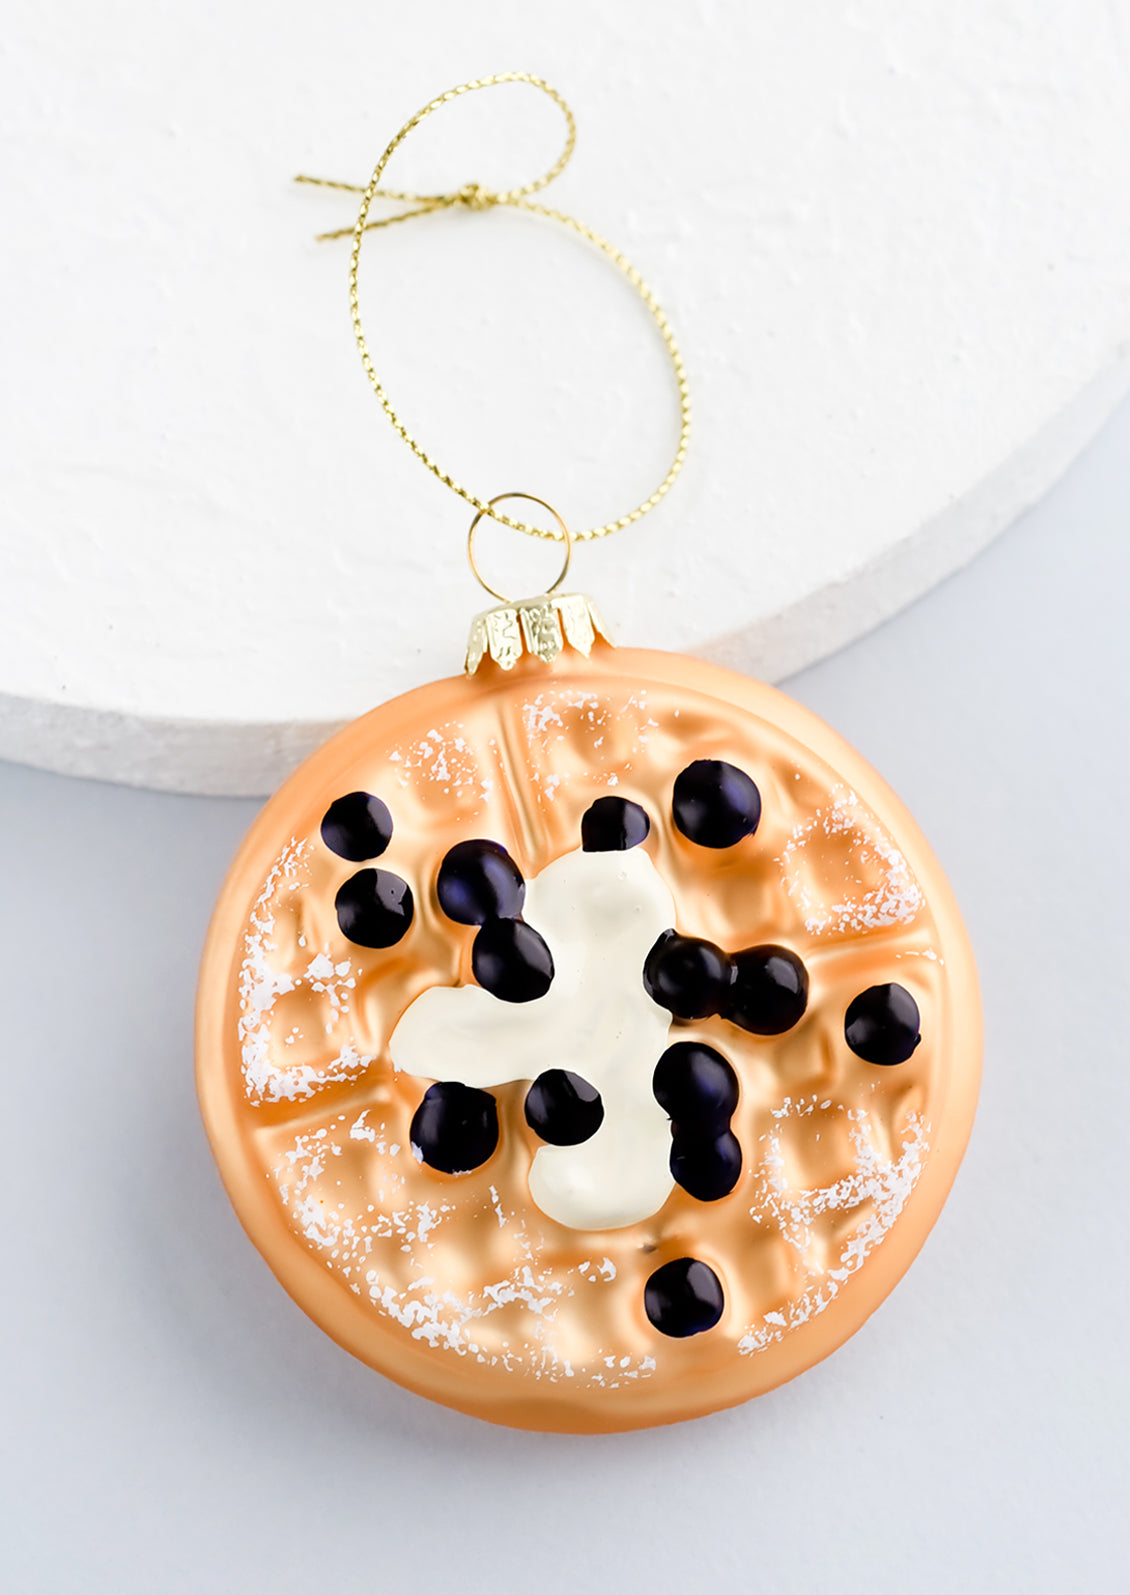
(590, 1040)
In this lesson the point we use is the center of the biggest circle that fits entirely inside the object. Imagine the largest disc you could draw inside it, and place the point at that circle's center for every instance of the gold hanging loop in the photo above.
(566, 537)
(474, 196)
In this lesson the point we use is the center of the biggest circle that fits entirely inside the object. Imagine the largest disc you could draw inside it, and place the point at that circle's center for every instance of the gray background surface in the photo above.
(173, 1423)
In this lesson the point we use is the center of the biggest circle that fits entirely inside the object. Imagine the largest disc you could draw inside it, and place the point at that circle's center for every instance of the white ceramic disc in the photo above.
(894, 239)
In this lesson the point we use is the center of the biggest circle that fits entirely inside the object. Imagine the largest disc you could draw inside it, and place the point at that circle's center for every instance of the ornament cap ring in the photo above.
(565, 536)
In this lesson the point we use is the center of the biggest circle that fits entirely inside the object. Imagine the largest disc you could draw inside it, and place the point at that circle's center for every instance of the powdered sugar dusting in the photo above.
(845, 874)
(335, 1229)
(576, 720)
(356, 1239)
(460, 1322)
(878, 1188)
(267, 1077)
(444, 758)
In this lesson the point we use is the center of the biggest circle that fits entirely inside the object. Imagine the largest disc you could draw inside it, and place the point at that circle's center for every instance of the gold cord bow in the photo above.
(474, 196)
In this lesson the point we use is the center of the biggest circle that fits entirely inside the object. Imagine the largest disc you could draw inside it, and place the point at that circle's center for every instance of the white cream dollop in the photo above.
(600, 914)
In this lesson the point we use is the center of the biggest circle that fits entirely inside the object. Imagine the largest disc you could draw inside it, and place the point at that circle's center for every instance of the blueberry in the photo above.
(357, 827)
(683, 1298)
(563, 1109)
(706, 1167)
(374, 908)
(612, 825)
(511, 961)
(768, 991)
(882, 1024)
(478, 881)
(695, 1086)
(686, 975)
(715, 804)
(455, 1127)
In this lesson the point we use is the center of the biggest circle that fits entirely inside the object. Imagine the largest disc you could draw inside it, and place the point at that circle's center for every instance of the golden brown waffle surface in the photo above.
(459, 1285)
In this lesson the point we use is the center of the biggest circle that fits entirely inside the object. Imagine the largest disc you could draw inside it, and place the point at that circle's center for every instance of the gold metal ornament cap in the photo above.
(540, 627)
